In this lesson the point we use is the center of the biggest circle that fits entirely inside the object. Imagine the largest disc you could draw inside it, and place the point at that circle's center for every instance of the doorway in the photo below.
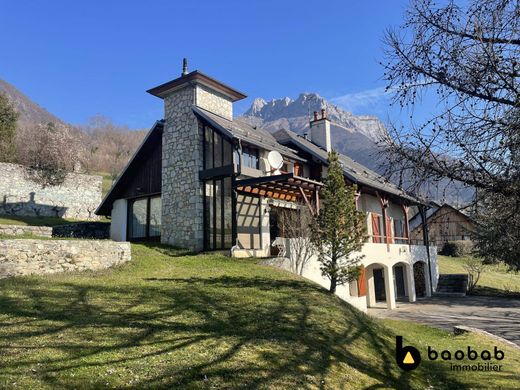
(379, 284)
(399, 282)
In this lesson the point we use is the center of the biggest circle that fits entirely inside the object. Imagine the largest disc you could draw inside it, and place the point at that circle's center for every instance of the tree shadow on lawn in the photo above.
(223, 331)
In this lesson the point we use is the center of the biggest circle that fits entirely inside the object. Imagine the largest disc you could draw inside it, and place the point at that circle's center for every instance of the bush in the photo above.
(457, 248)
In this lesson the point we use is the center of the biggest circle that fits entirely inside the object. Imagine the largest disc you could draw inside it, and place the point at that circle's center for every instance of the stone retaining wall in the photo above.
(21, 230)
(92, 230)
(76, 198)
(28, 256)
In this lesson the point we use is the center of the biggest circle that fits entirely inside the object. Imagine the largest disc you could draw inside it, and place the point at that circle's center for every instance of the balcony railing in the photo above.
(375, 239)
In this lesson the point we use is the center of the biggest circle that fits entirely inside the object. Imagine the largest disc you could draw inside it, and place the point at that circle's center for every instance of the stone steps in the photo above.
(452, 284)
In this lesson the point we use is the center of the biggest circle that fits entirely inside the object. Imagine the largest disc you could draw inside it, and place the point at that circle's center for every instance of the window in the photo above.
(218, 223)
(218, 151)
(250, 158)
(144, 218)
(399, 230)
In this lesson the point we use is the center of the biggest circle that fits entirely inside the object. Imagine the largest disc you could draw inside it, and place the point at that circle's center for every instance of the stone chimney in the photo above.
(320, 130)
(182, 190)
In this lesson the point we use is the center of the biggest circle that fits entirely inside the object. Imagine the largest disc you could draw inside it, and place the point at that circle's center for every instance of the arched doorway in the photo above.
(419, 277)
(380, 286)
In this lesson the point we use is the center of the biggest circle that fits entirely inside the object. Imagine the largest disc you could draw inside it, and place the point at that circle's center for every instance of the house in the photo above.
(204, 181)
(445, 223)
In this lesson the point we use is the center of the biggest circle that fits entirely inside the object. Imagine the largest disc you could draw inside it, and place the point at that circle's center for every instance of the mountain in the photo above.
(353, 135)
(30, 112)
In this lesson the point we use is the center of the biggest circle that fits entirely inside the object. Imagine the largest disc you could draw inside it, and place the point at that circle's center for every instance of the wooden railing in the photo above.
(375, 239)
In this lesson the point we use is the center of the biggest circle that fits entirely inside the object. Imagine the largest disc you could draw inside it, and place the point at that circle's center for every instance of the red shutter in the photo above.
(362, 282)
(376, 235)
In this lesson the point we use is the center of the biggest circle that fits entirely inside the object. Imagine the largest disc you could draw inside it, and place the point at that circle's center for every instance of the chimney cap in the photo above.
(184, 67)
(323, 113)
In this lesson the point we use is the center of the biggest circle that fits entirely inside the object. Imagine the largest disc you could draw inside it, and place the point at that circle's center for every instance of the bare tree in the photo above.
(108, 146)
(48, 151)
(468, 59)
(474, 268)
(296, 226)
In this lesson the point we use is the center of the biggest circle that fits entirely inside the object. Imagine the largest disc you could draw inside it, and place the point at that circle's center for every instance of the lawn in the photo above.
(174, 320)
(33, 221)
(494, 280)
(106, 184)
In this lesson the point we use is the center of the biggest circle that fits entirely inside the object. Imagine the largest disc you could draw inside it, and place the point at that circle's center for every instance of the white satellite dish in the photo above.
(275, 160)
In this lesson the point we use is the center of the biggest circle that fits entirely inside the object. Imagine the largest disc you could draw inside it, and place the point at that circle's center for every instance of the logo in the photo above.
(408, 358)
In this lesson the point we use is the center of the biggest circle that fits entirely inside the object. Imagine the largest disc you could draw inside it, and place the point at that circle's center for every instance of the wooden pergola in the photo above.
(286, 186)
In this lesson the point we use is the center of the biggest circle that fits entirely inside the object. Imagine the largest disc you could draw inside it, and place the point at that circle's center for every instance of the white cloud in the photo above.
(362, 100)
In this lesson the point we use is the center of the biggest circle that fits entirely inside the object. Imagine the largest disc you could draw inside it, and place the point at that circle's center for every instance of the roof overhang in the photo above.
(196, 77)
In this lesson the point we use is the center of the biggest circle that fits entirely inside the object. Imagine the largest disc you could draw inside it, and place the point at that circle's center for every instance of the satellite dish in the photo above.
(275, 160)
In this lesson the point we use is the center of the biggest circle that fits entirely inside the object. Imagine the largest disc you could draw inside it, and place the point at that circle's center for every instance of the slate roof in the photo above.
(354, 171)
(243, 131)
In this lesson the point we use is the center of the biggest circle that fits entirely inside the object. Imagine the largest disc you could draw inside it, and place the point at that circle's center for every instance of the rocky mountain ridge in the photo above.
(353, 135)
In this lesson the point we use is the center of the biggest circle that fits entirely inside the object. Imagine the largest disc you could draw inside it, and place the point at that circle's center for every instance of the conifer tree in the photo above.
(340, 229)
(8, 117)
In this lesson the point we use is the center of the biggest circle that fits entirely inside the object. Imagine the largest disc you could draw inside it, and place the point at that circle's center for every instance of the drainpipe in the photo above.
(234, 197)
(426, 241)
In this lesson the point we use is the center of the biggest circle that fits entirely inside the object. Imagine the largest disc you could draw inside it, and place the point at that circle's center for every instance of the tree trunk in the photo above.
(333, 284)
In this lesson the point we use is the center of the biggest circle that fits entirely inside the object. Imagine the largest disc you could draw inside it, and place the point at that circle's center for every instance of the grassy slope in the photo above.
(33, 221)
(171, 320)
(106, 183)
(495, 280)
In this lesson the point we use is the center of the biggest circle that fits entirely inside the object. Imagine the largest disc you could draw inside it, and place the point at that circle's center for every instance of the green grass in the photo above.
(495, 280)
(33, 221)
(106, 184)
(175, 320)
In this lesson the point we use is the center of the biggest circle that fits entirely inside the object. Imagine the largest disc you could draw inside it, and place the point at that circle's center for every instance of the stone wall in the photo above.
(95, 230)
(182, 160)
(20, 230)
(76, 198)
(214, 102)
(29, 257)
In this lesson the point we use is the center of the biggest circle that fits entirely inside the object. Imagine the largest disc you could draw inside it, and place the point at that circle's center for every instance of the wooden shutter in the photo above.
(362, 283)
(376, 234)
(298, 169)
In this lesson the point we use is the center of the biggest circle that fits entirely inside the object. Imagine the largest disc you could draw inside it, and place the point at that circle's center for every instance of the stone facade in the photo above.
(182, 154)
(76, 198)
(37, 257)
(214, 102)
(181, 193)
(20, 230)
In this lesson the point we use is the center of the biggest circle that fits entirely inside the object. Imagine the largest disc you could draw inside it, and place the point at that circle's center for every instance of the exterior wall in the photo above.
(375, 255)
(446, 225)
(76, 198)
(248, 223)
(119, 220)
(20, 230)
(213, 101)
(182, 192)
(27, 257)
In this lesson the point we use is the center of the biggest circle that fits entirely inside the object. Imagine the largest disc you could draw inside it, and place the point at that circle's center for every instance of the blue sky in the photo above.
(82, 58)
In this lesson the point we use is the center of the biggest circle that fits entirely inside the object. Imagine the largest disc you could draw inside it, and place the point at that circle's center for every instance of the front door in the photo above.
(379, 284)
